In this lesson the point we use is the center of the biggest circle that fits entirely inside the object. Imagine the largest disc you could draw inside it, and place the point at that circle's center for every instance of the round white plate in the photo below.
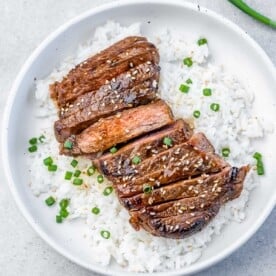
(229, 45)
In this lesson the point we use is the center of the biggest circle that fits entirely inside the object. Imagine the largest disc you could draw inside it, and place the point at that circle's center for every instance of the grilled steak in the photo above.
(122, 127)
(187, 206)
(144, 147)
(122, 93)
(91, 74)
(180, 161)
(170, 180)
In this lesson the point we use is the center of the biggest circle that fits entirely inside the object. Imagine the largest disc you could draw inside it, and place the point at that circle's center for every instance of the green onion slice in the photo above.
(215, 107)
(147, 189)
(48, 161)
(52, 168)
(32, 148)
(63, 213)
(95, 210)
(260, 164)
(91, 170)
(68, 144)
(74, 163)
(189, 81)
(202, 41)
(207, 92)
(33, 141)
(113, 150)
(225, 152)
(184, 88)
(50, 201)
(100, 178)
(136, 160)
(41, 138)
(77, 181)
(167, 141)
(188, 61)
(77, 173)
(58, 219)
(105, 234)
(196, 113)
(64, 203)
(68, 175)
(108, 190)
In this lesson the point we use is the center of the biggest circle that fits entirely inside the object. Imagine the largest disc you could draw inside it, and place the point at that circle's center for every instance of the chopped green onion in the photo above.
(202, 41)
(68, 144)
(147, 189)
(52, 168)
(48, 161)
(105, 234)
(41, 138)
(260, 164)
(77, 181)
(77, 173)
(32, 148)
(214, 107)
(189, 81)
(74, 163)
(196, 113)
(257, 156)
(33, 141)
(58, 219)
(167, 141)
(95, 210)
(91, 170)
(136, 160)
(207, 92)
(260, 167)
(100, 178)
(64, 203)
(68, 175)
(225, 152)
(108, 190)
(254, 14)
(113, 150)
(188, 61)
(63, 213)
(50, 201)
(184, 88)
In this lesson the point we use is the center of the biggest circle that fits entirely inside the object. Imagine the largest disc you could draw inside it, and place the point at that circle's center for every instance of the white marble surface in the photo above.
(23, 25)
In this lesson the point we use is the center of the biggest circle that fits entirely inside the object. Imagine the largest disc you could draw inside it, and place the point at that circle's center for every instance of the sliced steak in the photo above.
(108, 100)
(91, 74)
(181, 218)
(178, 162)
(144, 147)
(122, 127)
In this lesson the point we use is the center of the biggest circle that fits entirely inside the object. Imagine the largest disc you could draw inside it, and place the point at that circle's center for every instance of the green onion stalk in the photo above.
(253, 13)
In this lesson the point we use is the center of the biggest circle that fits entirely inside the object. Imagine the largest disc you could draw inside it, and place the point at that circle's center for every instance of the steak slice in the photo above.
(121, 128)
(94, 72)
(144, 147)
(181, 218)
(178, 162)
(124, 93)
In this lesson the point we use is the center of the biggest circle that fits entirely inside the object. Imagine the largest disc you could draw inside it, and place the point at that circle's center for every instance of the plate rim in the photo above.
(193, 268)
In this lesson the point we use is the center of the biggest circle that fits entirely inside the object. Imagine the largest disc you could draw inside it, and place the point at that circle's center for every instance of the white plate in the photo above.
(229, 46)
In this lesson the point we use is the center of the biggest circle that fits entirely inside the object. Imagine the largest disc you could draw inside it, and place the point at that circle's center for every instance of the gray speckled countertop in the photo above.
(23, 25)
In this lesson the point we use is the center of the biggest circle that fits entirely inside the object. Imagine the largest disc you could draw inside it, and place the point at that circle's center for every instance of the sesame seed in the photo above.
(149, 62)
(135, 72)
(113, 80)
(147, 70)
(187, 222)
(130, 64)
(180, 211)
(109, 61)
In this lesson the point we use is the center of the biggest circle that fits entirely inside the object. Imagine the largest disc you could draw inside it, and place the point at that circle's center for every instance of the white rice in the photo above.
(234, 126)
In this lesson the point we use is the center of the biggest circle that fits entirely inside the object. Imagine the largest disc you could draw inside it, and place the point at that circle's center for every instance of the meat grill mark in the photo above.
(122, 127)
(144, 147)
(147, 75)
(104, 107)
(83, 79)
